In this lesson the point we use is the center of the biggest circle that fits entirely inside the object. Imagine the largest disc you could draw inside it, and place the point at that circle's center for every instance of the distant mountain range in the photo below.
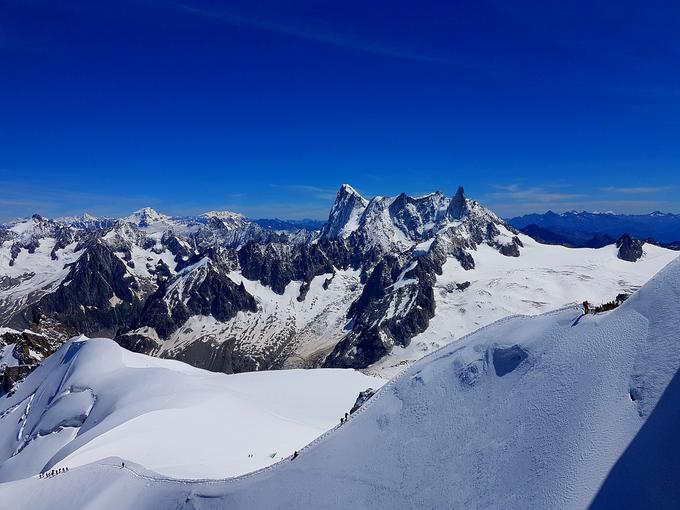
(593, 229)
(383, 282)
(147, 216)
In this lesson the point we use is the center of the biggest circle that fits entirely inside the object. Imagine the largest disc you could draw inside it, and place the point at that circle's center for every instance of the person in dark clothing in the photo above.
(295, 454)
(586, 308)
(122, 464)
(346, 416)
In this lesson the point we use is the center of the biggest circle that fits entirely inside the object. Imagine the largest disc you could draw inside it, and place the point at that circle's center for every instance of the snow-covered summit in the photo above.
(93, 399)
(229, 219)
(146, 216)
(399, 223)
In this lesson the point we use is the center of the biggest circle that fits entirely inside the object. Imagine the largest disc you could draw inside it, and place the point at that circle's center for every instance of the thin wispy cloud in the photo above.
(534, 194)
(513, 199)
(313, 191)
(310, 30)
(638, 191)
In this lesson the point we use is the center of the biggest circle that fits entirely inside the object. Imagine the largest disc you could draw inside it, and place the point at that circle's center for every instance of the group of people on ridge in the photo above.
(54, 472)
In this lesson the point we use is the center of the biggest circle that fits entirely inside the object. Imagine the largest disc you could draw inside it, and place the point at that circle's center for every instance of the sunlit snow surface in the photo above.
(530, 412)
(542, 278)
(93, 399)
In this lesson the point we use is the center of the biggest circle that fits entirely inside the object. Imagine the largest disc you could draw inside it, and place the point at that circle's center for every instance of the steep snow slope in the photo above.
(530, 412)
(92, 399)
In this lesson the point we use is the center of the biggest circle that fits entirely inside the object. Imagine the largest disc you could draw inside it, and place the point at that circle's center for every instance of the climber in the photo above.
(295, 454)
(586, 308)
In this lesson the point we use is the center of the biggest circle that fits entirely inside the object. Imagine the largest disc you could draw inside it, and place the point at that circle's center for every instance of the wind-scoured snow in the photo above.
(93, 399)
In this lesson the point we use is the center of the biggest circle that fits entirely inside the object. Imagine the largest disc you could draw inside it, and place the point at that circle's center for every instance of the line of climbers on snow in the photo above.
(343, 420)
(53, 472)
(604, 307)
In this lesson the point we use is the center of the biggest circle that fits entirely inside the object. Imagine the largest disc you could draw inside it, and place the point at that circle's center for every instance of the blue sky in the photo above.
(267, 107)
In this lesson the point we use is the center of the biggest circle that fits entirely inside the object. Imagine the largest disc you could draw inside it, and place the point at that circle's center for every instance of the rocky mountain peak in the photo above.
(345, 214)
(458, 206)
(347, 189)
(143, 217)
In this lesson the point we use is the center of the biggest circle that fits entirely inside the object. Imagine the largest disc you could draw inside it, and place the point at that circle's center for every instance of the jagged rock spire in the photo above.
(458, 206)
(344, 216)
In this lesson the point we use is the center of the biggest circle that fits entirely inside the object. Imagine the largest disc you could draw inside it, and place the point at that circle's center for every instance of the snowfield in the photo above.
(543, 278)
(555, 411)
(93, 399)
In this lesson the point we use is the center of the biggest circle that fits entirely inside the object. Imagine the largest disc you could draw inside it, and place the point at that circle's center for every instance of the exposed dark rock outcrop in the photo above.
(276, 265)
(29, 350)
(205, 290)
(10, 376)
(630, 249)
(213, 356)
(396, 304)
(511, 249)
(97, 298)
(137, 343)
(362, 399)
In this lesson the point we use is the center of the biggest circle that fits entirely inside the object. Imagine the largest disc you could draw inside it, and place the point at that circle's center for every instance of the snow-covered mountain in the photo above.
(93, 399)
(562, 410)
(344, 217)
(377, 287)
